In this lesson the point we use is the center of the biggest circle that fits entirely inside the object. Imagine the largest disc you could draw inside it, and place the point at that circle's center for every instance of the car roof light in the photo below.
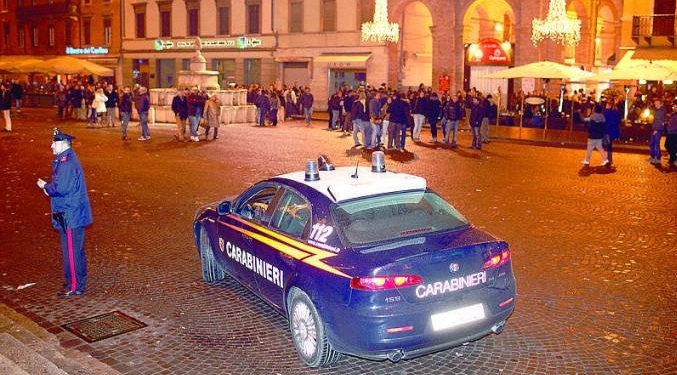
(312, 173)
(378, 163)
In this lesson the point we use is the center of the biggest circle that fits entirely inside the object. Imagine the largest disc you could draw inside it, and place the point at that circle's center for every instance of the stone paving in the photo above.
(593, 250)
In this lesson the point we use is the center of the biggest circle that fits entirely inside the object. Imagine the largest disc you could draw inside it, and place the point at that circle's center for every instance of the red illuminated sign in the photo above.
(489, 52)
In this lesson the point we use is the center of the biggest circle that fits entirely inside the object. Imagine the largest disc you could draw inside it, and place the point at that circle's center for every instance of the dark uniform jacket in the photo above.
(68, 191)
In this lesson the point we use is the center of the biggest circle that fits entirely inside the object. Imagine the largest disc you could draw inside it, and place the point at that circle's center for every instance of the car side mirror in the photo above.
(223, 208)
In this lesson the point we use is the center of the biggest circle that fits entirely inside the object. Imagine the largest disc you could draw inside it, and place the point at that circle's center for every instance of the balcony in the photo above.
(650, 28)
(27, 12)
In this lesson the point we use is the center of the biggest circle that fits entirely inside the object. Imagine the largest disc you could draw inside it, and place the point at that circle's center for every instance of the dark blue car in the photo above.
(361, 261)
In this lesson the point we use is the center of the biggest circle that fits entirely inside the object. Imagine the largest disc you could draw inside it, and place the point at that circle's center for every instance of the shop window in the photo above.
(165, 72)
(226, 69)
(36, 36)
(296, 16)
(140, 20)
(328, 15)
(87, 31)
(193, 15)
(141, 72)
(51, 36)
(253, 16)
(107, 31)
(252, 71)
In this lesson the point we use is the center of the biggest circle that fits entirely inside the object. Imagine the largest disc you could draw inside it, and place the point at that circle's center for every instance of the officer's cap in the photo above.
(60, 136)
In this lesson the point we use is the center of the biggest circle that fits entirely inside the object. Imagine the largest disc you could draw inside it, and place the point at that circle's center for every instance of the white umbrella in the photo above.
(662, 70)
(543, 69)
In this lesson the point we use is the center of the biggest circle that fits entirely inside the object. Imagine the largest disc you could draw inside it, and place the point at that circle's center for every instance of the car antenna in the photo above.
(358, 163)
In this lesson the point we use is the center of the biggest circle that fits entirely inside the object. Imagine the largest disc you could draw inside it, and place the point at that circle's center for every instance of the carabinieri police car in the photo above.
(362, 261)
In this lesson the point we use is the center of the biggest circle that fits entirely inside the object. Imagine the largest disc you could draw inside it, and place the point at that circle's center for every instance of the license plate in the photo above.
(457, 317)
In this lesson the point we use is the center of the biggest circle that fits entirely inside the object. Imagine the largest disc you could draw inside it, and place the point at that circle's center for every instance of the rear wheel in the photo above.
(211, 271)
(308, 332)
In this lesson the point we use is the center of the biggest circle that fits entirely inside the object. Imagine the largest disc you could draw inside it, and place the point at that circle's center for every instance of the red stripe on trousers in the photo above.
(71, 259)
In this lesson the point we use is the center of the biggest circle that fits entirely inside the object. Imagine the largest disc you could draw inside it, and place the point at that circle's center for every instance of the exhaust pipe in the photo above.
(498, 327)
(395, 355)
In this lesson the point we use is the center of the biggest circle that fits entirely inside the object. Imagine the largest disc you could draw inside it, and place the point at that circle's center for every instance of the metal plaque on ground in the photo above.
(103, 326)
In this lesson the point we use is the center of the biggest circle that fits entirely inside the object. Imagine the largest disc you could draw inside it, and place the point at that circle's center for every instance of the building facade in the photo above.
(88, 29)
(317, 42)
(37, 28)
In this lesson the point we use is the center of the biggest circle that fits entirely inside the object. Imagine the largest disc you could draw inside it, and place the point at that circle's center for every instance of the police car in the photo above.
(361, 261)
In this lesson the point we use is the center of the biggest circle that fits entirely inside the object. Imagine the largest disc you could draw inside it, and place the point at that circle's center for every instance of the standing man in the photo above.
(180, 109)
(111, 104)
(420, 106)
(484, 128)
(5, 105)
(307, 104)
(125, 110)
(476, 116)
(263, 105)
(17, 94)
(656, 131)
(143, 106)
(375, 119)
(453, 111)
(71, 212)
(612, 127)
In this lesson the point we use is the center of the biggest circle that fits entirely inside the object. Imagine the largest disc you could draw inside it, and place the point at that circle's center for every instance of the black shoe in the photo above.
(69, 293)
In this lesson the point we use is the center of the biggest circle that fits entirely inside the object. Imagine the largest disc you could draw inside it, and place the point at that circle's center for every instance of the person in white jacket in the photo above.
(99, 105)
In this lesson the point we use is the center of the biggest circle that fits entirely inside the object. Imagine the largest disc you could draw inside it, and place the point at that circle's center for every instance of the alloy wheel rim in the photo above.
(304, 330)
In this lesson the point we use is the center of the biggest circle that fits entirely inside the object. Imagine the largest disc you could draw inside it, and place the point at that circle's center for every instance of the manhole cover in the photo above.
(103, 326)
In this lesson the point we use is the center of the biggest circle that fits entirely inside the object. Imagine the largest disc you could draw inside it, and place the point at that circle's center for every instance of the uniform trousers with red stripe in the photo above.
(74, 259)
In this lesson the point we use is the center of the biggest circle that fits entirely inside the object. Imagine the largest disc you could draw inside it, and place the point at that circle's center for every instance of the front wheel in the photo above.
(308, 332)
(211, 271)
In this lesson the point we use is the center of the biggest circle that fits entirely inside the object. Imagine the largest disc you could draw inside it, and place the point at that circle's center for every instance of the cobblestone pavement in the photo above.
(593, 251)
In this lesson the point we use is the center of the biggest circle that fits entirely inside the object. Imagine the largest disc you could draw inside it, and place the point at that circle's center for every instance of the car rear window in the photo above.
(395, 216)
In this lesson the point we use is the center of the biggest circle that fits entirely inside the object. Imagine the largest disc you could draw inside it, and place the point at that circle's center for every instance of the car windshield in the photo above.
(395, 216)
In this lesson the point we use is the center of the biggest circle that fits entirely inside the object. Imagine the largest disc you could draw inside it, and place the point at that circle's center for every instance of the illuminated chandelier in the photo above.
(380, 30)
(557, 26)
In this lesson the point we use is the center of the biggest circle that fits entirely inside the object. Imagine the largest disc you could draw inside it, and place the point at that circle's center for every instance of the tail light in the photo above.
(498, 259)
(377, 283)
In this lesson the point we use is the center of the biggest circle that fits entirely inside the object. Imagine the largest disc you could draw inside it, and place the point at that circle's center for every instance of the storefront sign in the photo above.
(489, 52)
(241, 42)
(86, 51)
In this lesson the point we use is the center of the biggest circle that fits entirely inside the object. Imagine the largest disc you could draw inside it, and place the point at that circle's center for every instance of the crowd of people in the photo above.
(375, 116)
(380, 116)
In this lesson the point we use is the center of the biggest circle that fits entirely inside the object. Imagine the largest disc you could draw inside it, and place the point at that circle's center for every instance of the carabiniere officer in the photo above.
(71, 212)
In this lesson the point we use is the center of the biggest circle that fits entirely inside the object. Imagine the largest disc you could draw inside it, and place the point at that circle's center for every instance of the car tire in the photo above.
(308, 332)
(211, 271)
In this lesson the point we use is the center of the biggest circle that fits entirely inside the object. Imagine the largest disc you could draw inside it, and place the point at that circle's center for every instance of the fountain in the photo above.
(234, 108)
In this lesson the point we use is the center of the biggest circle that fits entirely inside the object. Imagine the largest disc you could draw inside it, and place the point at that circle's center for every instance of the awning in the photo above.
(347, 58)
(292, 59)
(657, 53)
